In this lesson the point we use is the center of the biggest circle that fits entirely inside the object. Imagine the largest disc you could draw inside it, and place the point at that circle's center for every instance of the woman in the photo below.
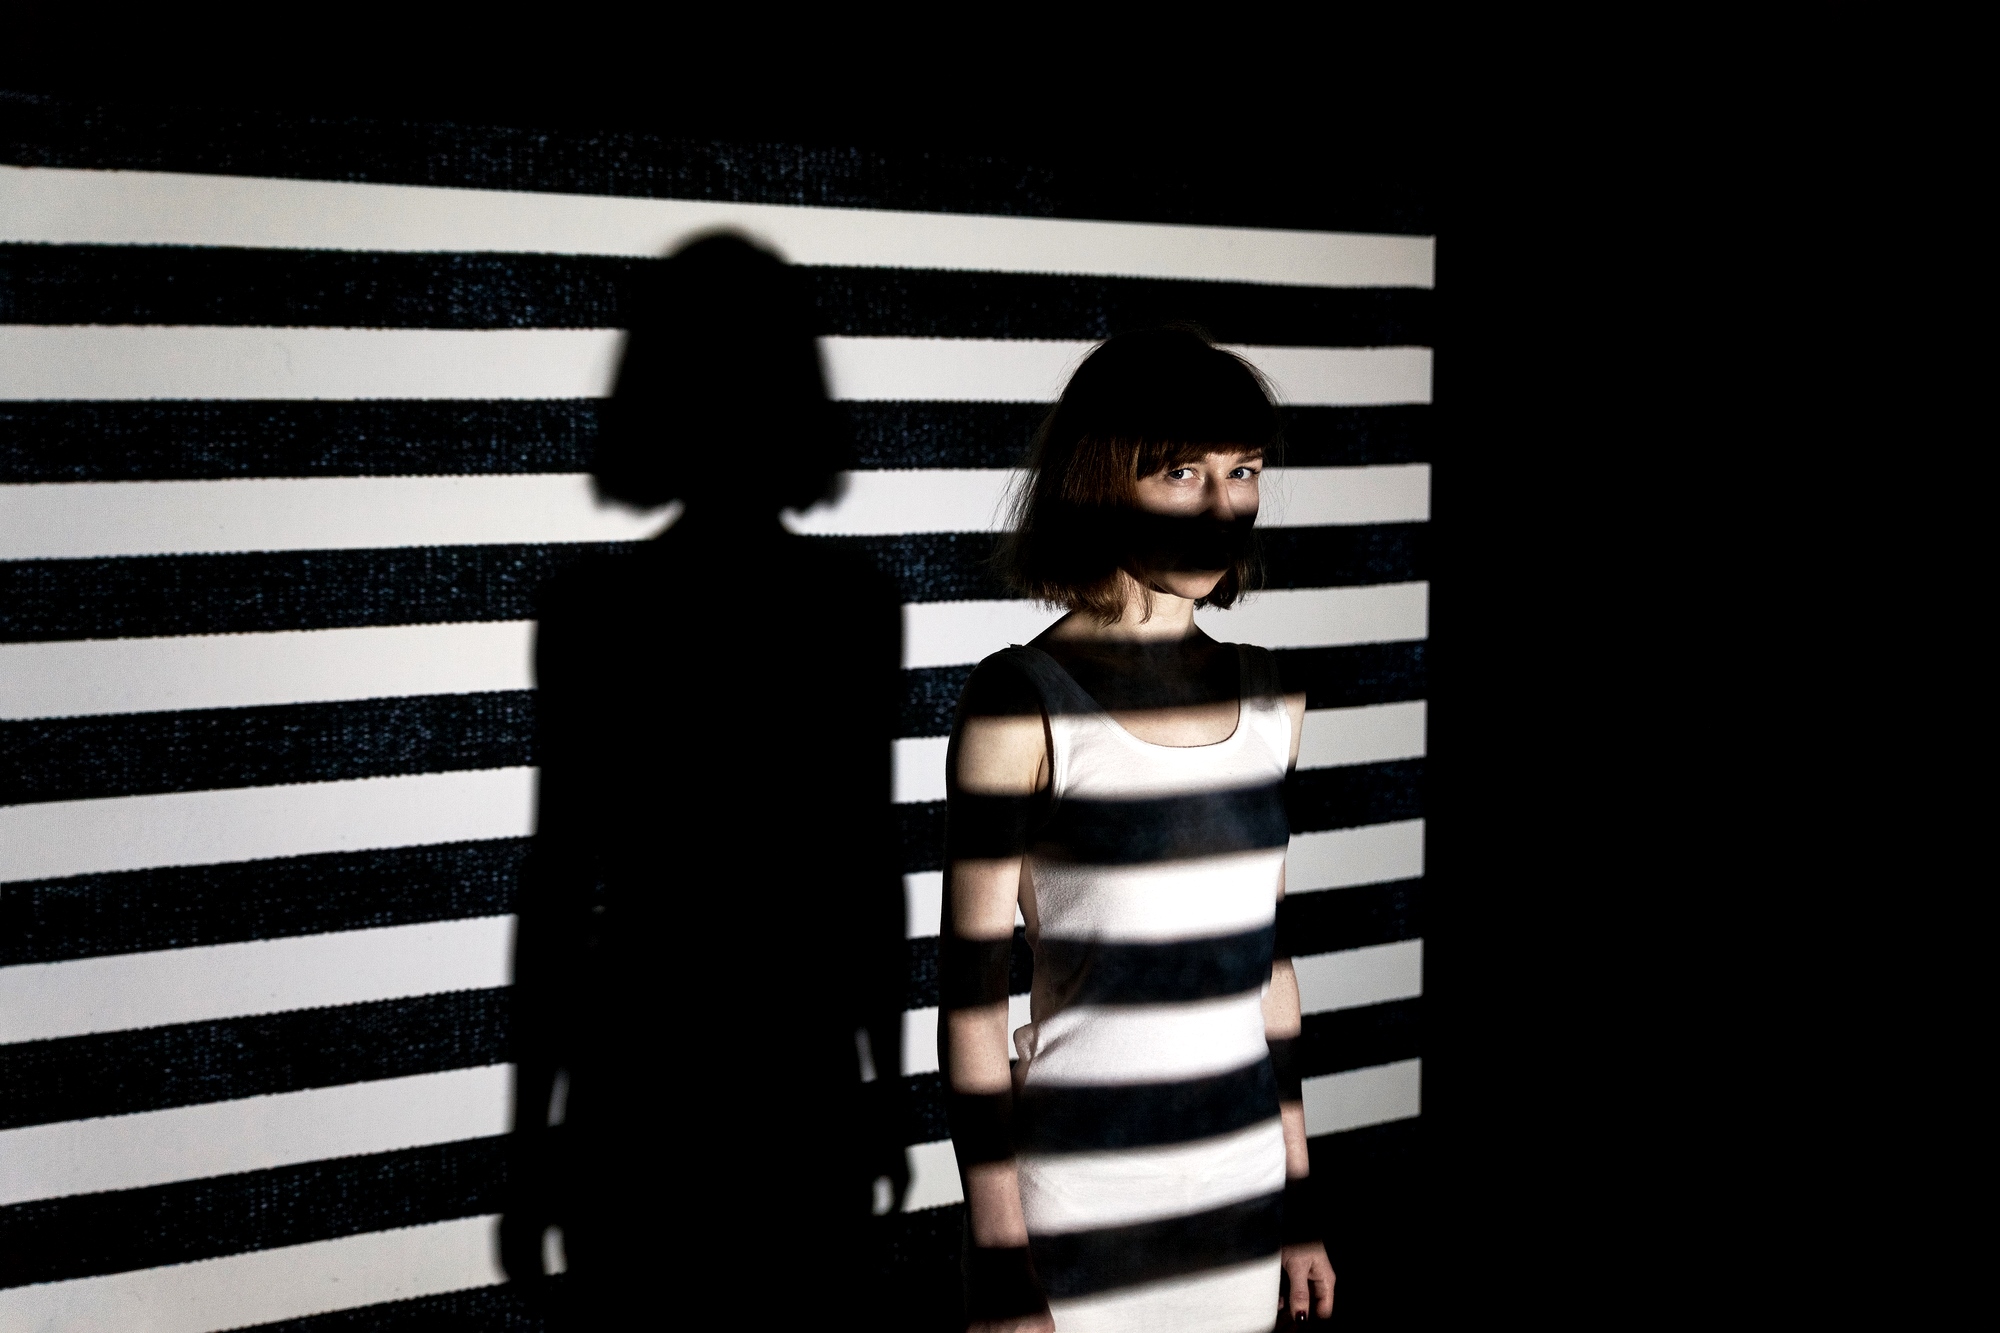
(1119, 784)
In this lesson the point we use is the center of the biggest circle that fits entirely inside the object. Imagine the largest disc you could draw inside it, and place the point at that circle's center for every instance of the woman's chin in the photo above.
(1193, 586)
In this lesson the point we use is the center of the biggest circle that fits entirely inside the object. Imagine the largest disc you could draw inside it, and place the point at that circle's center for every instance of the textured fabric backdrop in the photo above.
(295, 420)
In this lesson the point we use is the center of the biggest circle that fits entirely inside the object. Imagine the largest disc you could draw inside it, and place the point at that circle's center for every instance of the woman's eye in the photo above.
(1179, 473)
(1245, 474)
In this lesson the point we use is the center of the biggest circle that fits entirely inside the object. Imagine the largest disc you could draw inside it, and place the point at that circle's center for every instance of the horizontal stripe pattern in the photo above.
(168, 673)
(69, 207)
(267, 712)
(1337, 1103)
(82, 1235)
(1093, 1190)
(204, 440)
(87, 995)
(251, 592)
(39, 362)
(59, 838)
(283, 1282)
(73, 520)
(1117, 1258)
(56, 285)
(225, 1138)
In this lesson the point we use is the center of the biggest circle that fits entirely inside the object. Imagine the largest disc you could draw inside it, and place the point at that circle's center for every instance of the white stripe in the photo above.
(1323, 617)
(123, 1152)
(923, 902)
(265, 1285)
(902, 500)
(1344, 858)
(143, 361)
(1351, 978)
(1085, 1191)
(249, 823)
(1362, 1097)
(70, 678)
(920, 1034)
(134, 990)
(205, 361)
(1304, 497)
(1372, 734)
(73, 207)
(1207, 1302)
(1144, 1043)
(68, 520)
(1156, 903)
(955, 633)
(71, 520)
(934, 1178)
(920, 765)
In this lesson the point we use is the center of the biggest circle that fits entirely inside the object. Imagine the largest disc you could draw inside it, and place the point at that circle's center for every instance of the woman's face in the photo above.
(1216, 489)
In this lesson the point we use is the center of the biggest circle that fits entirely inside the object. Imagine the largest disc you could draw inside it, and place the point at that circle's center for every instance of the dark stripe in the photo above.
(1249, 188)
(169, 284)
(1355, 794)
(1347, 556)
(1136, 832)
(129, 754)
(1143, 1115)
(191, 441)
(1321, 922)
(1086, 1262)
(1097, 833)
(1093, 972)
(1368, 673)
(161, 441)
(121, 1230)
(923, 954)
(1374, 1034)
(928, 1120)
(179, 907)
(930, 698)
(113, 1073)
(245, 593)
(251, 591)
(501, 1309)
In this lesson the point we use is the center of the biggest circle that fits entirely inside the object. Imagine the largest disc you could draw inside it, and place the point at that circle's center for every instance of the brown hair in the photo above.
(1139, 403)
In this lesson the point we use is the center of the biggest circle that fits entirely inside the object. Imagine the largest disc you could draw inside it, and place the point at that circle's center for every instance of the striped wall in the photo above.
(283, 460)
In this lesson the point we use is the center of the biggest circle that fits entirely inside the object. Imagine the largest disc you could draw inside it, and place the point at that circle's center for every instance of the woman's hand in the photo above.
(1309, 1276)
(1043, 1322)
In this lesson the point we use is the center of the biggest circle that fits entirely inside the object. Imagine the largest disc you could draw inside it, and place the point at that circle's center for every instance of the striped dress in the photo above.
(1152, 1162)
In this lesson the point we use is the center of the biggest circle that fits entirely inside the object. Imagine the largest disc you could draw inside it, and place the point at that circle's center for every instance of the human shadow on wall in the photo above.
(713, 906)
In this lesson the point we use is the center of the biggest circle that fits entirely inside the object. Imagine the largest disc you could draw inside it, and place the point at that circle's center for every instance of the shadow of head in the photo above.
(720, 400)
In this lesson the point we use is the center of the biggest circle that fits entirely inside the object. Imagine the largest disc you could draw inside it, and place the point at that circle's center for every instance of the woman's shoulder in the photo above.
(1002, 685)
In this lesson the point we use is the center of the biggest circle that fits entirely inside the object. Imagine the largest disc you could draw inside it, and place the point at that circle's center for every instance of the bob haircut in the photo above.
(721, 359)
(1138, 404)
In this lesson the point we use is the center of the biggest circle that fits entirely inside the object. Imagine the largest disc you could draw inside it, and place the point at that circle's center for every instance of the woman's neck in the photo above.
(1157, 617)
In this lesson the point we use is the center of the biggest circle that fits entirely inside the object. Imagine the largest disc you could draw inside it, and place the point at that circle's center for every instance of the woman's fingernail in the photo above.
(1300, 1316)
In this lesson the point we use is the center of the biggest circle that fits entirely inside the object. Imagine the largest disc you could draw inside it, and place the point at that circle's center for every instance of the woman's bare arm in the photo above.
(999, 763)
(1308, 1272)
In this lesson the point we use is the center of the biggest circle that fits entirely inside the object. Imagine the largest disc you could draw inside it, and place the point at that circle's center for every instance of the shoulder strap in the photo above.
(1059, 690)
(1260, 679)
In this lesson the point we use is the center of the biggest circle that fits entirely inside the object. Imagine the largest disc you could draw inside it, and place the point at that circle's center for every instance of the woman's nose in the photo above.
(1220, 503)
